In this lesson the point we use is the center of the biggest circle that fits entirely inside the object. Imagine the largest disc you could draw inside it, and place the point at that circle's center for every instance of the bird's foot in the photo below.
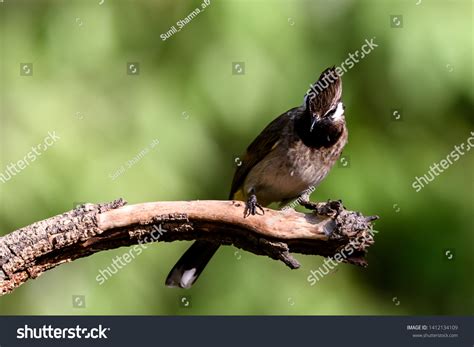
(310, 205)
(252, 207)
(329, 208)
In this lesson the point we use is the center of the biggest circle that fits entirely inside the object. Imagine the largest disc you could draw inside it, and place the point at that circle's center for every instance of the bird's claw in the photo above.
(310, 205)
(252, 207)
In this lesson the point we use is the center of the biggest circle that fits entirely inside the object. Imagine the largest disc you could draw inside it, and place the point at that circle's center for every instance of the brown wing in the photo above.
(259, 148)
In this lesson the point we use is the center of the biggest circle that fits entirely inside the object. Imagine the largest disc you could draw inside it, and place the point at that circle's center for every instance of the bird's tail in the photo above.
(190, 265)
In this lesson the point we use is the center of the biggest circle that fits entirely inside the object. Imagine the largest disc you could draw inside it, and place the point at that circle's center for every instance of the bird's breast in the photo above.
(290, 169)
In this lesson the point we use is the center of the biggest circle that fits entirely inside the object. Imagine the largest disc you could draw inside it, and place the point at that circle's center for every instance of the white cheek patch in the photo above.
(339, 111)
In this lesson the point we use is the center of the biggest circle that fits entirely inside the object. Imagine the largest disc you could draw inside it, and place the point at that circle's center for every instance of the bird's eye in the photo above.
(336, 112)
(330, 113)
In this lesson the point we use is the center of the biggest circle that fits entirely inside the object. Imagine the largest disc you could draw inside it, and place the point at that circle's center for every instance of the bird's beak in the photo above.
(313, 122)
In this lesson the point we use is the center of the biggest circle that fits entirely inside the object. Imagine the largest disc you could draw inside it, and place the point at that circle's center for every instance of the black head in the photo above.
(323, 100)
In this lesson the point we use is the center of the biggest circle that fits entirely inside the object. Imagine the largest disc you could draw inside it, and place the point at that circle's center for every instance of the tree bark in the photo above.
(28, 252)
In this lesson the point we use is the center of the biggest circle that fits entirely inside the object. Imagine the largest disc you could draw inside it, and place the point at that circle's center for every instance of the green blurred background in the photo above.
(188, 97)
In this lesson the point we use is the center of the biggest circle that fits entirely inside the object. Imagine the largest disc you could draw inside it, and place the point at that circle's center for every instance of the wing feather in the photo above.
(267, 141)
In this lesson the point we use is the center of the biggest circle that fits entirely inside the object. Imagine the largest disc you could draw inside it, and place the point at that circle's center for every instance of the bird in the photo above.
(286, 161)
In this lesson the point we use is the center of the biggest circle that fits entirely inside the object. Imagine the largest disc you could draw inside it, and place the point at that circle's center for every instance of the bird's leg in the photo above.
(310, 205)
(252, 205)
(330, 208)
(306, 203)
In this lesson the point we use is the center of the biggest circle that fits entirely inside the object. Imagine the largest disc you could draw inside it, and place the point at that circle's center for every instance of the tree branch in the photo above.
(90, 228)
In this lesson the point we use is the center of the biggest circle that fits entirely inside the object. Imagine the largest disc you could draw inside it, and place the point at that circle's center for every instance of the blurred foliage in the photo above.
(204, 116)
